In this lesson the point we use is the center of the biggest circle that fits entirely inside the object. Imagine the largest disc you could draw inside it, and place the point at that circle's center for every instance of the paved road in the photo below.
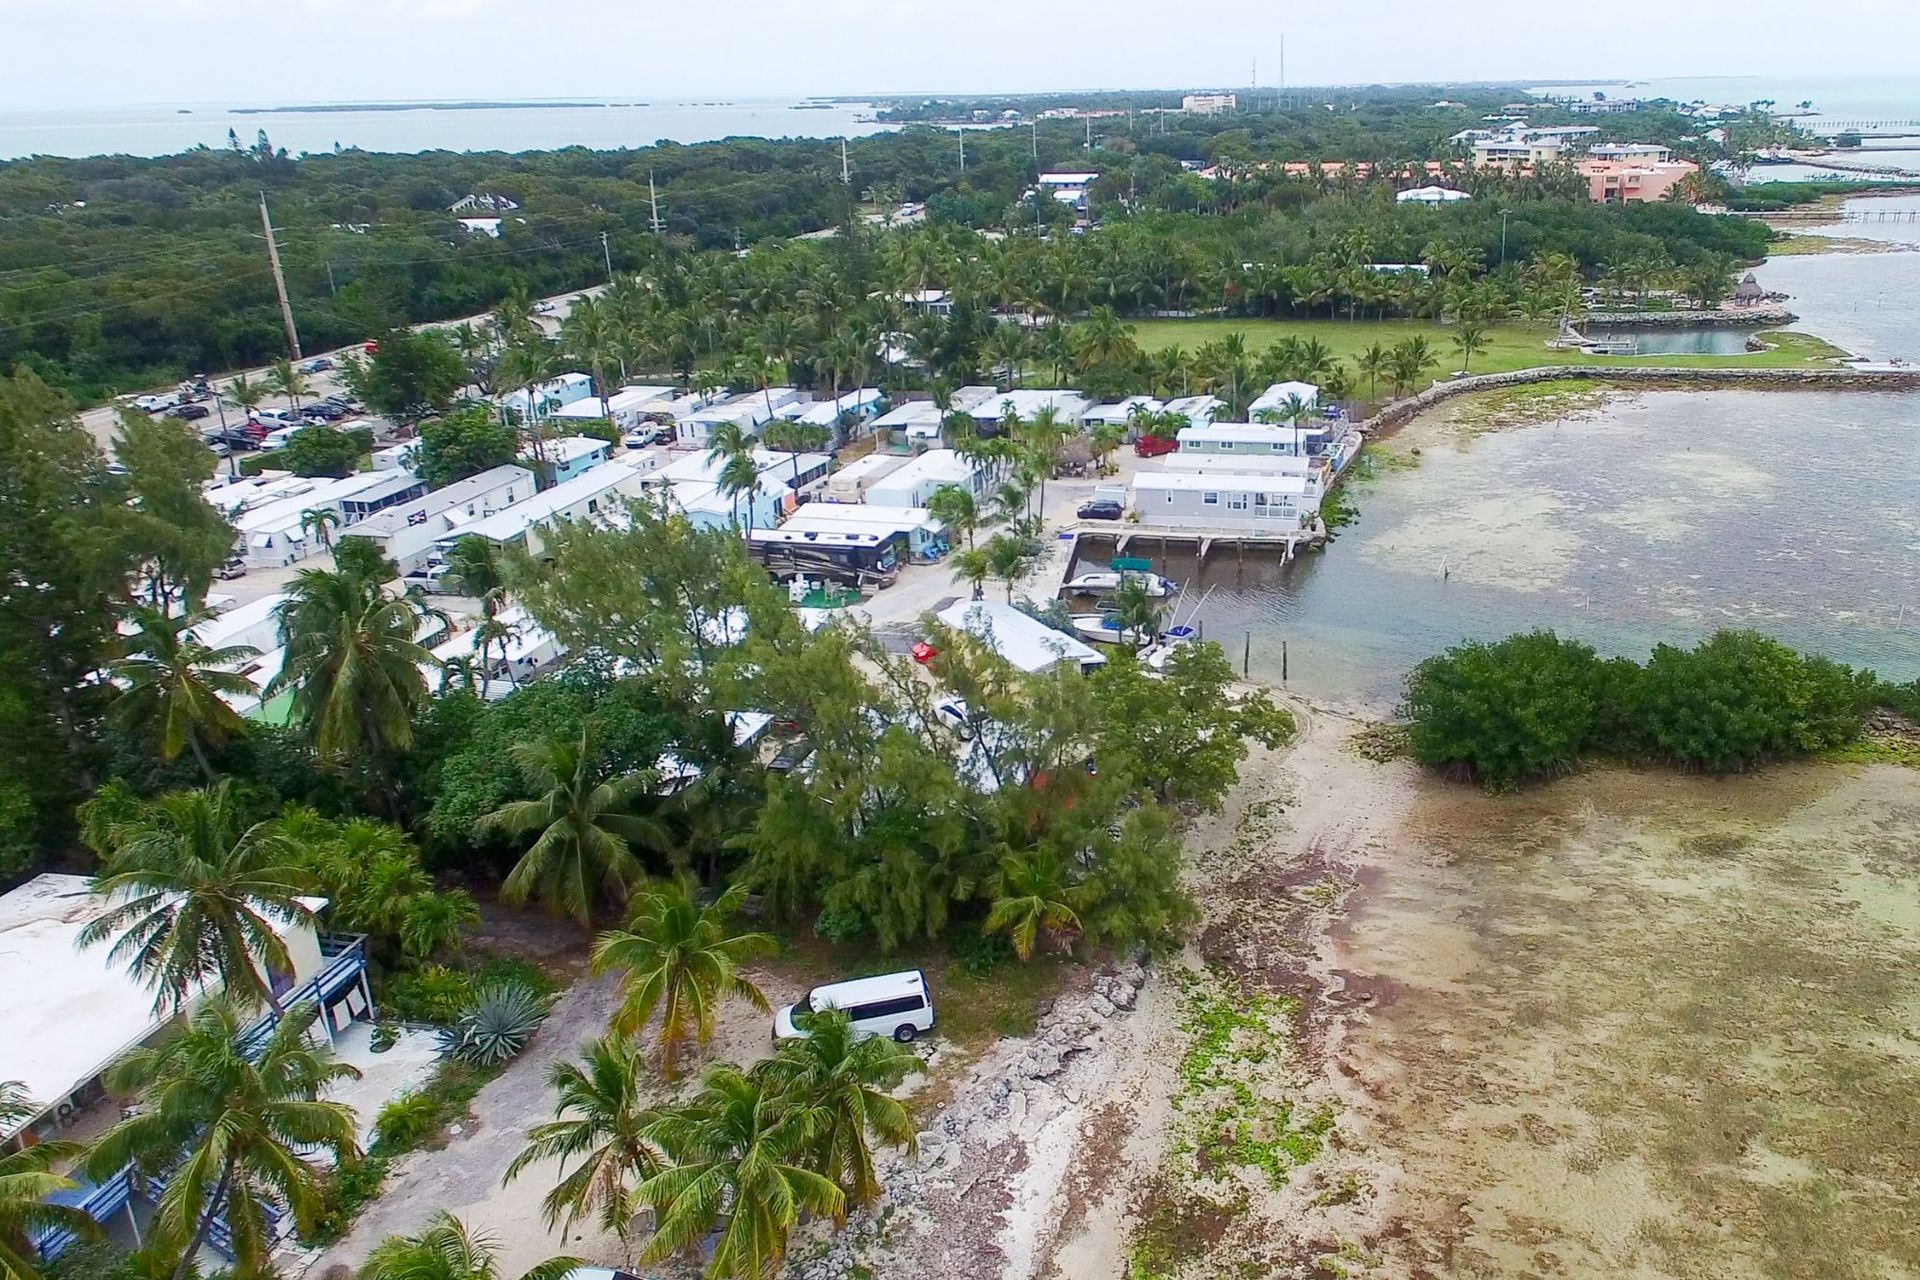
(101, 420)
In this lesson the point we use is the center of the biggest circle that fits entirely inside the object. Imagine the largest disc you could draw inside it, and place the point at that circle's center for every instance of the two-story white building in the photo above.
(1225, 503)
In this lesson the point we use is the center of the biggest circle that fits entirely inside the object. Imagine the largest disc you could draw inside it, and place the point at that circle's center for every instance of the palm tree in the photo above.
(972, 566)
(1373, 362)
(462, 670)
(1136, 612)
(1030, 896)
(582, 847)
(1010, 559)
(739, 1148)
(601, 1121)
(726, 441)
(955, 508)
(26, 1180)
(739, 475)
(353, 663)
(474, 567)
(320, 522)
(172, 684)
(445, 1249)
(844, 1083)
(230, 1127)
(197, 896)
(284, 379)
(245, 393)
(1469, 340)
(678, 959)
(492, 631)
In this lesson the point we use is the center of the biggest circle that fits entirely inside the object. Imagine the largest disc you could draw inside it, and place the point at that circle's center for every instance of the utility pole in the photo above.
(963, 151)
(279, 282)
(846, 174)
(1504, 215)
(1033, 128)
(1089, 132)
(653, 202)
(607, 254)
(332, 288)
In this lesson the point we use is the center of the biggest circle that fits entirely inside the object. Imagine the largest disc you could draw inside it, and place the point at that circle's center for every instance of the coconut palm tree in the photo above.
(739, 475)
(283, 379)
(445, 1249)
(1469, 340)
(1011, 559)
(197, 897)
(494, 631)
(353, 661)
(727, 441)
(844, 1085)
(581, 826)
(26, 1180)
(1137, 613)
(973, 567)
(245, 393)
(320, 522)
(739, 1177)
(1030, 896)
(678, 959)
(1373, 361)
(955, 508)
(461, 671)
(601, 1121)
(232, 1127)
(171, 686)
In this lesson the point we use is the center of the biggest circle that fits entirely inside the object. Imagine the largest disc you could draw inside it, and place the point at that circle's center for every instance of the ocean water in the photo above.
(163, 130)
(1660, 517)
(1835, 101)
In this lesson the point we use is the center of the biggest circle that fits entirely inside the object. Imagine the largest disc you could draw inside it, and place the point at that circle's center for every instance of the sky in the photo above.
(78, 53)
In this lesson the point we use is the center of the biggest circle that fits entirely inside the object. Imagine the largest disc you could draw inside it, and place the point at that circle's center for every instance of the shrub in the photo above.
(433, 993)
(1505, 712)
(406, 1121)
(497, 1025)
(1739, 699)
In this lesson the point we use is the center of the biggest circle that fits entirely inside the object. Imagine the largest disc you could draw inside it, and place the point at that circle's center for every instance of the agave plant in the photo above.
(497, 1025)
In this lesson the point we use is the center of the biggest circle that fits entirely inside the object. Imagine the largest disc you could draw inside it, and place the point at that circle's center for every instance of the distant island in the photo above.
(421, 106)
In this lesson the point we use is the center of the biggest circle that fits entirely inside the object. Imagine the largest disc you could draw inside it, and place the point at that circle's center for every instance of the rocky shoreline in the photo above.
(1745, 318)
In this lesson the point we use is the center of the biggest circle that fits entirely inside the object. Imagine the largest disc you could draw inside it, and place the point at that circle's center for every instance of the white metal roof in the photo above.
(1066, 179)
(700, 469)
(1276, 396)
(1163, 481)
(1247, 433)
(827, 413)
(568, 449)
(1025, 642)
(1070, 406)
(823, 515)
(435, 501)
(941, 465)
(1120, 413)
(68, 1012)
(510, 523)
(912, 413)
(1286, 464)
(1197, 409)
(874, 464)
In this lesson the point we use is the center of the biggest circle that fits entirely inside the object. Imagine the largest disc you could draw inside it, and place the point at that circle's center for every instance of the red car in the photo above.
(1154, 446)
(923, 652)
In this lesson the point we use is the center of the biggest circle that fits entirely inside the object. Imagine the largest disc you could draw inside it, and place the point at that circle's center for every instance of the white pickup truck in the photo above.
(156, 403)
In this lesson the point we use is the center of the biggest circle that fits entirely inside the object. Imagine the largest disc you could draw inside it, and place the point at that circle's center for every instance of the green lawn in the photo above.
(1509, 346)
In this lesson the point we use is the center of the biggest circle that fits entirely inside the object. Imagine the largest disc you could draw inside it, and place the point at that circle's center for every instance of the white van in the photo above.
(274, 418)
(893, 1004)
(278, 437)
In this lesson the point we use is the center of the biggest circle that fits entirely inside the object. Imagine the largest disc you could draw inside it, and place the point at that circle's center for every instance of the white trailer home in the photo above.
(406, 534)
(1225, 503)
(850, 483)
(585, 497)
(1251, 439)
(916, 482)
(625, 408)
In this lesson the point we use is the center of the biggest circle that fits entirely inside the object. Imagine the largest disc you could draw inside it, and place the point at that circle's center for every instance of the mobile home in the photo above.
(913, 484)
(406, 533)
(850, 483)
(1231, 502)
(585, 497)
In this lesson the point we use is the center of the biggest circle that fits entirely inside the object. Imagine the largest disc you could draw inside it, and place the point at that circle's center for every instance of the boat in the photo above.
(1094, 584)
(1103, 628)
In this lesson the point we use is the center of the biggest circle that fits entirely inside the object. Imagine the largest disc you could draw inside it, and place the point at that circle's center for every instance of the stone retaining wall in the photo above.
(1746, 318)
(1788, 379)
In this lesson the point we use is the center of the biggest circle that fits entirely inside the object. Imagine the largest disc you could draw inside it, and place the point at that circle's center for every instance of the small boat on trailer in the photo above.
(1103, 628)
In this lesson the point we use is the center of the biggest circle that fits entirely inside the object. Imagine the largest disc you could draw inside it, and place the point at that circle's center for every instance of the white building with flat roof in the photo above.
(71, 1012)
(1198, 410)
(751, 410)
(406, 534)
(555, 393)
(624, 408)
(1029, 644)
(1276, 398)
(1232, 502)
(1069, 406)
(279, 533)
(1258, 439)
(1209, 104)
(1119, 415)
(913, 484)
(570, 456)
(585, 497)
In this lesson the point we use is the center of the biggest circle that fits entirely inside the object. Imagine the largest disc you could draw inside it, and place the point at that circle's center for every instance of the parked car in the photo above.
(323, 411)
(344, 402)
(234, 568)
(188, 412)
(155, 403)
(890, 1004)
(272, 418)
(544, 308)
(1155, 446)
(923, 652)
(955, 714)
(219, 448)
(319, 364)
(1101, 509)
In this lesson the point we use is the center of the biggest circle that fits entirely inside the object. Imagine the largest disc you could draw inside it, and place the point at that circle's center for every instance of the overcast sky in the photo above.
(62, 53)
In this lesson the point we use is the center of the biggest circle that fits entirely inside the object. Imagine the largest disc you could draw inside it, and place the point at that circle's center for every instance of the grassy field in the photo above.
(1509, 347)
